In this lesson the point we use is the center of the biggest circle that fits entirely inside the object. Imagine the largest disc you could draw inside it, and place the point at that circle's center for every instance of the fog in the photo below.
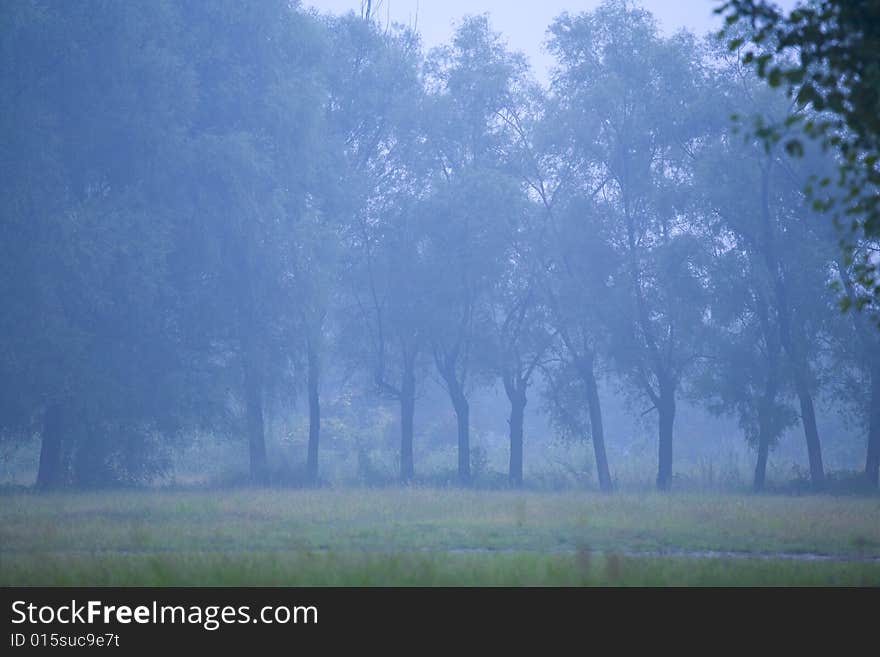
(485, 244)
(522, 25)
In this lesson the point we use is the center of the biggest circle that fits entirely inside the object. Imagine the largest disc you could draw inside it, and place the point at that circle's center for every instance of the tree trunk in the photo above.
(872, 462)
(597, 428)
(666, 411)
(811, 432)
(462, 416)
(50, 474)
(788, 338)
(765, 429)
(251, 367)
(255, 428)
(763, 452)
(517, 413)
(407, 412)
(314, 414)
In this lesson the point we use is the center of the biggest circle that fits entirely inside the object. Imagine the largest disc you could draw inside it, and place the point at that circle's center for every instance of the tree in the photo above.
(463, 257)
(579, 262)
(857, 366)
(477, 90)
(744, 374)
(520, 331)
(93, 135)
(576, 293)
(752, 197)
(256, 129)
(391, 305)
(314, 290)
(827, 56)
(382, 271)
(628, 94)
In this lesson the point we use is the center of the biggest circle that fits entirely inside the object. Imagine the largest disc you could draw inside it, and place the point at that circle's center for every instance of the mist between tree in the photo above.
(242, 242)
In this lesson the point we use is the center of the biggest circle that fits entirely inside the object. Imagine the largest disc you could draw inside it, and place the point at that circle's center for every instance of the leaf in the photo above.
(794, 148)
(794, 76)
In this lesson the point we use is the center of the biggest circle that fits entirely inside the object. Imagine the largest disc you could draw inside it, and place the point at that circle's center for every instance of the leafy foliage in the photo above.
(827, 57)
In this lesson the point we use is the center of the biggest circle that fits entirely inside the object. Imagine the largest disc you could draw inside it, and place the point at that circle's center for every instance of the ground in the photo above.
(423, 536)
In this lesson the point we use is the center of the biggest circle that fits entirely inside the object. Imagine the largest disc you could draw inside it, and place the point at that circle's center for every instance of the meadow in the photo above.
(435, 536)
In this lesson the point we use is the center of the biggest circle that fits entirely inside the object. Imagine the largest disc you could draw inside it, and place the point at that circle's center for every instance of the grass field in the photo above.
(425, 536)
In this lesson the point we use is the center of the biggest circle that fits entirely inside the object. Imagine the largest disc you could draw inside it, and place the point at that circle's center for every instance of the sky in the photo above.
(524, 22)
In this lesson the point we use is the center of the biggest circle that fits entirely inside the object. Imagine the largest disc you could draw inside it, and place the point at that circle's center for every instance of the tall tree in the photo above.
(256, 130)
(470, 129)
(579, 262)
(640, 125)
(93, 135)
(380, 106)
(521, 334)
(758, 203)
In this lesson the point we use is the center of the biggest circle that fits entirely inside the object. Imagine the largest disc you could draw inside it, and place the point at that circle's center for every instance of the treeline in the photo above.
(204, 204)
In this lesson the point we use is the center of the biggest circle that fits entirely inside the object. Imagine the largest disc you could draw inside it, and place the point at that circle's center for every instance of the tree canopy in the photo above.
(213, 210)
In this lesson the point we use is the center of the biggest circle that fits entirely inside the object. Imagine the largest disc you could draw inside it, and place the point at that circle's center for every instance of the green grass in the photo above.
(430, 569)
(431, 536)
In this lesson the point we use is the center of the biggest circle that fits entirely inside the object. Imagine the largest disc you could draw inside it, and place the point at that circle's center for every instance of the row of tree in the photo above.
(206, 204)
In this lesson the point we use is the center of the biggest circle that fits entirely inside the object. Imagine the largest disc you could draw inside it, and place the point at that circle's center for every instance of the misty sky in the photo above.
(523, 22)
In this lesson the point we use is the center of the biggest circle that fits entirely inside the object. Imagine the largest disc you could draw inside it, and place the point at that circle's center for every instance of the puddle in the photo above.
(686, 554)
